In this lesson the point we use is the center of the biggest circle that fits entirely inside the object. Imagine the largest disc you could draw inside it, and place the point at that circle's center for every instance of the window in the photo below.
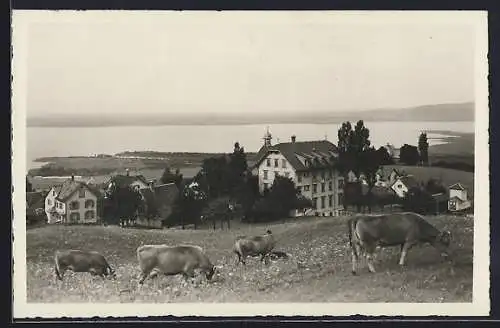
(340, 199)
(330, 201)
(299, 189)
(89, 215)
(323, 201)
(400, 186)
(276, 163)
(265, 175)
(341, 183)
(74, 205)
(74, 217)
(287, 174)
(306, 174)
(49, 202)
(276, 173)
(53, 192)
(307, 188)
(314, 175)
(322, 187)
(81, 193)
(283, 163)
(89, 203)
(315, 188)
(330, 186)
(322, 174)
(266, 186)
(299, 178)
(315, 202)
(268, 162)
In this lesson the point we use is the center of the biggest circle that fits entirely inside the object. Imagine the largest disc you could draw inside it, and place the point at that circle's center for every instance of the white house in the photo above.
(403, 184)
(458, 199)
(72, 202)
(310, 165)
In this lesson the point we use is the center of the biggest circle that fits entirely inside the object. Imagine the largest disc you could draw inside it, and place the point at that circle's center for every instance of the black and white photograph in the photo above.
(235, 163)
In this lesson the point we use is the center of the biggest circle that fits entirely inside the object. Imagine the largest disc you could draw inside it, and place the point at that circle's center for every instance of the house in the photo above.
(158, 204)
(458, 199)
(72, 202)
(440, 202)
(134, 181)
(393, 151)
(310, 165)
(403, 184)
(35, 211)
(393, 176)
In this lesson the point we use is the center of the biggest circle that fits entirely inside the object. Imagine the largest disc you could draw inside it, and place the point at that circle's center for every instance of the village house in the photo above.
(72, 202)
(35, 207)
(137, 182)
(402, 184)
(458, 199)
(158, 202)
(310, 165)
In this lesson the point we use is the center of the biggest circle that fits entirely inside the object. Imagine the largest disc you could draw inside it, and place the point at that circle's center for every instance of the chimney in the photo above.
(128, 172)
(72, 177)
(293, 139)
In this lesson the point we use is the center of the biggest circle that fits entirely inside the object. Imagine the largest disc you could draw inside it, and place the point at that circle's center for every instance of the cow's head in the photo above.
(443, 241)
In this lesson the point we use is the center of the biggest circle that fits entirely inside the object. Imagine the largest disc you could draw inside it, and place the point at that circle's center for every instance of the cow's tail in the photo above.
(351, 225)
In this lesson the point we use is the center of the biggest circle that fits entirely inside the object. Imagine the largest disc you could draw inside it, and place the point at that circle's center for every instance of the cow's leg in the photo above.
(370, 252)
(404, 250)
(144, 274)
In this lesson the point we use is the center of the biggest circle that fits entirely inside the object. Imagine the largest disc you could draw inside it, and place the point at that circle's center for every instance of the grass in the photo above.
(319, 269)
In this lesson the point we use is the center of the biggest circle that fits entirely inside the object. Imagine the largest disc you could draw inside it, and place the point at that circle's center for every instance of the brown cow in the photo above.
(254, 246)
(173, 260)
(369, 232)
(82, 261)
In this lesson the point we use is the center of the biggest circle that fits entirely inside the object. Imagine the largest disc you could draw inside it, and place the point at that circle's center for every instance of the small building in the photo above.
(35, 208)
(158, 203)
(458, 199)
(72, 202)
(393, 151)
(135, 181)
(403, 184)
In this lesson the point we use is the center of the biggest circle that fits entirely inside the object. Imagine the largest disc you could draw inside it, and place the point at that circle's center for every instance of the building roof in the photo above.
(408, 180)
(441, 197)
(457, 186)
(455, 198)
(126, 180)
(69, 187)
(319, 153)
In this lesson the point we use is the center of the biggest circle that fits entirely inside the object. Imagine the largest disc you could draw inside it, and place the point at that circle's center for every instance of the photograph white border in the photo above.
(480, 305)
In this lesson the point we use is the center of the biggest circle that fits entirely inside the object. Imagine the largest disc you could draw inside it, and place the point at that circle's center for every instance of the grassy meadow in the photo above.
(319, 269)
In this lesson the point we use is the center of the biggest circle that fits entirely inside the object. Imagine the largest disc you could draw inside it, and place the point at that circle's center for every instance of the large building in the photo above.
(310, 165)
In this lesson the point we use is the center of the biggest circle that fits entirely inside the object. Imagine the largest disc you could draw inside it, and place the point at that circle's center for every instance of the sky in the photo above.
(88, 62)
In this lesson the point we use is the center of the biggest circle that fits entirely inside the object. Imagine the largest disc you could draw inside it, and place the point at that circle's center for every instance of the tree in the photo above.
(434, 187)
(237, 167)
(423, 148)
(351, 145)
(121, 202)
(169, 177)
(384, 157)
(29, 185)
(188, 206)
(409, 155)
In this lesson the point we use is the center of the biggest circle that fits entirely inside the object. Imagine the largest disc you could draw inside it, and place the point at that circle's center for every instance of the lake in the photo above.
(84, 141)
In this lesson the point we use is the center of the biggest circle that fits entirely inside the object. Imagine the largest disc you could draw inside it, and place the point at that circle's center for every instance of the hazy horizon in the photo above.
(234, 62)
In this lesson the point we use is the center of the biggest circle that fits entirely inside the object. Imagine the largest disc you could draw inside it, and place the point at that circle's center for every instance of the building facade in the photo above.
(72, 202)
(310, 165)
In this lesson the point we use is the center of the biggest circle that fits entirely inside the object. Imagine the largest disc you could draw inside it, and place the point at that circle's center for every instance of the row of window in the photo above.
(89, 203)
(323, 174)
(276, 163)
(320, 202)
(89, 215)
(276, 173)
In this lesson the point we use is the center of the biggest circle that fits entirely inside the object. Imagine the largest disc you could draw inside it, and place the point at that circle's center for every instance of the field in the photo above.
(319, 269)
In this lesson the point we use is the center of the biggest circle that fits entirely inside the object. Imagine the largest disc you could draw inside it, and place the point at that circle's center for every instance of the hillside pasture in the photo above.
(319, 269)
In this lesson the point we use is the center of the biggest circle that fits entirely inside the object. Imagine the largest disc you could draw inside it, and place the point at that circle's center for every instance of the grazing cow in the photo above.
(369, 232)
(254, 246)
(173, 260)
(82, 261)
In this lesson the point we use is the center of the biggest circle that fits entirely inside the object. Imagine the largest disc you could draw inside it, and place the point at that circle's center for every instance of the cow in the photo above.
(369, 232)
(254, 246)
(173, 260)
(82, 261)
